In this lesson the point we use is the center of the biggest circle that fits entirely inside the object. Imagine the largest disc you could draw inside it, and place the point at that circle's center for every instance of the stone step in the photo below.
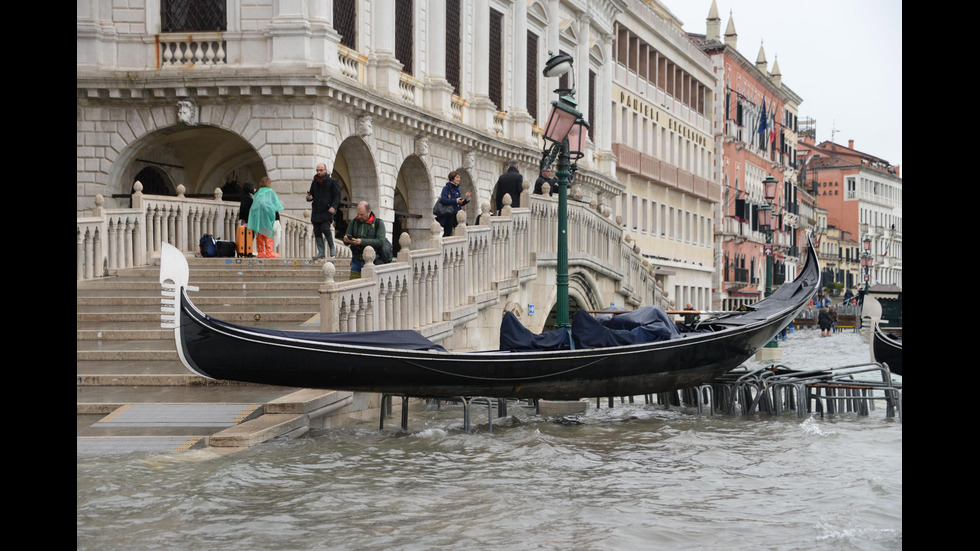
(270, 314)
(91, 329)
(153, 303)
(216, 285)
(124, 334)
(91, 368)
(112, 297)
(133, 393)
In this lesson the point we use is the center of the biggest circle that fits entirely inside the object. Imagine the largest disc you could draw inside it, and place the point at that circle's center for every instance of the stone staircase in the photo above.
(133, 394)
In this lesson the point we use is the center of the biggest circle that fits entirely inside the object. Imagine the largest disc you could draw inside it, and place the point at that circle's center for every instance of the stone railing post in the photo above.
(328, 299)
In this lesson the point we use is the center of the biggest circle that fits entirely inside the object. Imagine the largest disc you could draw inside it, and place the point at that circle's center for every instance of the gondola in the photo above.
(886, 348)
(594, 360)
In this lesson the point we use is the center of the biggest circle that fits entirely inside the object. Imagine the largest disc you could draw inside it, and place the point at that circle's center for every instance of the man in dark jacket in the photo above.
(545, 182)
(364, 230)
(510, 182)
(325, 195)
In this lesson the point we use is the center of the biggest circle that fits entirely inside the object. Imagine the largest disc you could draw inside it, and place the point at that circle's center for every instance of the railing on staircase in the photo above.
(430, 288)
(110, 239)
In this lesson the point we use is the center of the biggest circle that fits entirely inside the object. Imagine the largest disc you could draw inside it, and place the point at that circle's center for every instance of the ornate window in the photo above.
(496, 58)
(404, 34)
(193, 15)
(532, 75)
(345, 22)
(453, 71)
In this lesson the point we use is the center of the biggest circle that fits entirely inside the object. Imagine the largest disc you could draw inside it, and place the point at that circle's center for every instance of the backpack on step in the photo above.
(209, 247)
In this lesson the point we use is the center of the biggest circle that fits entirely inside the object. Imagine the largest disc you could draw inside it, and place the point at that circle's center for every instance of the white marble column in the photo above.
(438, 90)
(324, 38)
(289, 30)
(582, 73)
(519, 119)
(480, 110)
(383, 68)
(603, 135)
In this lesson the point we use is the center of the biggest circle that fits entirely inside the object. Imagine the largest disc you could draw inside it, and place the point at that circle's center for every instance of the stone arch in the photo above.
(200, 158)
(155, 181)
(357, 171)
(412, 201)
(583, 293)
(468, 184)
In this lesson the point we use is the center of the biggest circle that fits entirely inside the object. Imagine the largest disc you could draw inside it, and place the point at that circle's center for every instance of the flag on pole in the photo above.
(762, 125)
(772, 130)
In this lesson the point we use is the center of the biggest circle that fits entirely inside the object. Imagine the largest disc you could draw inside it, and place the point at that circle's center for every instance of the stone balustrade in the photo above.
(431, 289)
(109, 239)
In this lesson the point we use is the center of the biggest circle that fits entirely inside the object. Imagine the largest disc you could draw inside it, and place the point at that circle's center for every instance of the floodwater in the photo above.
(632, 477)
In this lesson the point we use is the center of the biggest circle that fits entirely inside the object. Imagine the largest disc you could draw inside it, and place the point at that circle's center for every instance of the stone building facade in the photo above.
(197, 98)
(756, 133)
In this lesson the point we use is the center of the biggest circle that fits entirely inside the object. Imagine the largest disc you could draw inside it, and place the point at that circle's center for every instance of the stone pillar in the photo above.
(582, 75)
(480, 110)
(438, 90)
(289, 30)
(383, 69)
(324, 39)
(519, 118)
(606, 164)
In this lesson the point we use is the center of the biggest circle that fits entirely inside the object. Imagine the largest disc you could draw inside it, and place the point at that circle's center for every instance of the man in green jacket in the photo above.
(364, 230)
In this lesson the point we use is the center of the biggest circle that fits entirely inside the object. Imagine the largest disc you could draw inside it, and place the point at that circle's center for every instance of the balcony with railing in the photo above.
(635, 162)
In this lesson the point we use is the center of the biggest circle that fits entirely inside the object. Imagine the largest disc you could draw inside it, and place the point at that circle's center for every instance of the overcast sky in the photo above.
(843, 57)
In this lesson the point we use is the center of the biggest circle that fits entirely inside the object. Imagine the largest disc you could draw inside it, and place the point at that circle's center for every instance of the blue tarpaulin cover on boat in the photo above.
(647, 324)
(400, 339)
(515, 337)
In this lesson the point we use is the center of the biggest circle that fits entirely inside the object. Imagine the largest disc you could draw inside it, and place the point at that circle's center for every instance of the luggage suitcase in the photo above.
(243, 241)
(225, 248)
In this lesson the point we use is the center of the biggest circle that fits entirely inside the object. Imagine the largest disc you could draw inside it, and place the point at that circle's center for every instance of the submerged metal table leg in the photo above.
(381, 425)
(405, 412)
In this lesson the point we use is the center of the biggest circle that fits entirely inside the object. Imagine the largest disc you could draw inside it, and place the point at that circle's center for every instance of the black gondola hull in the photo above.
(219, 350)
(887, 349)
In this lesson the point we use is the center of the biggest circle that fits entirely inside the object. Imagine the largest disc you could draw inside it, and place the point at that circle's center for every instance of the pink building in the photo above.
(756, 123)
(862, 195)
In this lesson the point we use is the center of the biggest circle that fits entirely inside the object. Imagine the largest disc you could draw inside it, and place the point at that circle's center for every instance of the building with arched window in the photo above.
(197, 98)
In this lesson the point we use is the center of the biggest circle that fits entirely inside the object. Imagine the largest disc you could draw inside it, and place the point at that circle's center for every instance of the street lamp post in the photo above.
(566, 132)
(867, 261)
(766, 218)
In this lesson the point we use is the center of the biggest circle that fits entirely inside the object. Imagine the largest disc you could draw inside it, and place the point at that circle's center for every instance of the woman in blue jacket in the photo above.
(451, 195)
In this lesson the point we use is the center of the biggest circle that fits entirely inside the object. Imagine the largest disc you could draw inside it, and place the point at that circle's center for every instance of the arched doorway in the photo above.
(154, 182)
(413, 201)
(354, 168)
(582, 294)
(200, 158)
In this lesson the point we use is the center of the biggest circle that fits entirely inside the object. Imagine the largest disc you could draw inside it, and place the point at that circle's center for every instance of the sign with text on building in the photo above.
(659, 116)
(530, 309)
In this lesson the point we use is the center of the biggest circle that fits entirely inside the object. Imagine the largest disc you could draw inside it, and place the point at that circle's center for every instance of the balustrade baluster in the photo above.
(129, 235)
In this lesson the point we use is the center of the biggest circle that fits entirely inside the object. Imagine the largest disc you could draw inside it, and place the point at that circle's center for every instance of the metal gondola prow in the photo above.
(174, 275)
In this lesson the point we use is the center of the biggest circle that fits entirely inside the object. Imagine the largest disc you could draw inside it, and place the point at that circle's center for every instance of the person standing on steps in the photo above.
(262, 218)
(325, 195)
(452, 195)
(510, 182)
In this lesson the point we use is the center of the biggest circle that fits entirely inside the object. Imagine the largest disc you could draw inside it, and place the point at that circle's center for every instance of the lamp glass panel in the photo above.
(560, 122)
(765, 217)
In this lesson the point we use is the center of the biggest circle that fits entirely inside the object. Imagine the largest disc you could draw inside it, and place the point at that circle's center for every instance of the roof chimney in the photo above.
(850, 144)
